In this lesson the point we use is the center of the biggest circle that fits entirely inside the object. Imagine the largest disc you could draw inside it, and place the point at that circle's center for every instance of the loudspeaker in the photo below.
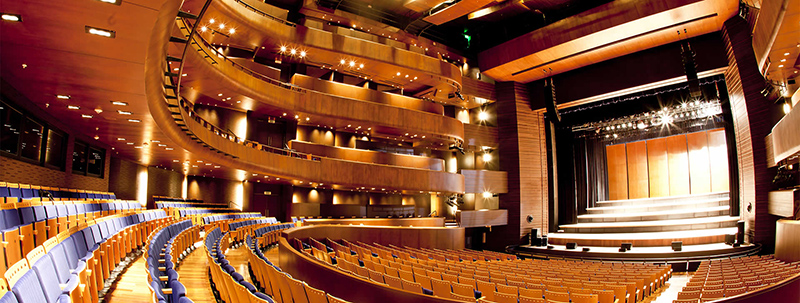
(571, 245)
(544, 241)
(550, 100)
(535, 232)
(585, 249)
(730, 239)
(550, 246)
(622, 249)
(627, 246)
(677, 245)
(740, 233)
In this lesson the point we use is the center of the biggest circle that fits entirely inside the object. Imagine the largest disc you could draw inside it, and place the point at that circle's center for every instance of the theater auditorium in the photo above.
(376, 151)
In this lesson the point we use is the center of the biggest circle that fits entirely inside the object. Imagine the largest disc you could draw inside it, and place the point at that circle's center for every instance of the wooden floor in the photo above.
(193, 274)
(238, 259)
(131, 286)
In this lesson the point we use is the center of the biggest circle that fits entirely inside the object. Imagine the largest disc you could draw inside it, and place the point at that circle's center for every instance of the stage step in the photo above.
(643, 239)
(659, 205)
(670, 199)
(652, 226)
(671, 214)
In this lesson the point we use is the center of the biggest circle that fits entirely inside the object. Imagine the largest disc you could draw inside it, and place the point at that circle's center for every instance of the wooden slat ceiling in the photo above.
(609, 31)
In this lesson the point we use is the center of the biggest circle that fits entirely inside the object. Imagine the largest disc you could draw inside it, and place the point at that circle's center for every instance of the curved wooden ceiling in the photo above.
(605, 32)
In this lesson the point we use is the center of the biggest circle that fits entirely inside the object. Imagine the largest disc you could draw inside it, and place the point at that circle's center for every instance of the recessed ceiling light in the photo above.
(63, 97)
(779, 66)
(211, 21)
(100, 32)
(120, 103)
(73, 107)
(134, 120)
(176, 161)
(122, 112)
(87, 116)
(12, 17)
(169, 148)
(115, 2)
(162, 145)
(130, 143)
(121, 139)
(232, 31)
(785, 54)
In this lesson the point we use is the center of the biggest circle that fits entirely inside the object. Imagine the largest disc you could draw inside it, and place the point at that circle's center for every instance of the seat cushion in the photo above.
(28, 290)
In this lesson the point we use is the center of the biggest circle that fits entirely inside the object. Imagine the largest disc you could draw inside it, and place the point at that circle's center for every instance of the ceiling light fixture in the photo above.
(73, 107)
(231, 31)
(134, 120)
(100, 32)
(122, 112)
(87, 116)
(12, 17)
(63, 97)
(302, 54)
(115, 2)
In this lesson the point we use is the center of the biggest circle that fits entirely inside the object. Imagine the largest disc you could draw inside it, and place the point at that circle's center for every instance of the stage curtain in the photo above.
(617, 172)
(637, 170)
(699, 169)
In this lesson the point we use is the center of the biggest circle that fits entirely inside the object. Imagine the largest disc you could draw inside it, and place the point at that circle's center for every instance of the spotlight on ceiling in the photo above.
(100, 32)
(11, 17)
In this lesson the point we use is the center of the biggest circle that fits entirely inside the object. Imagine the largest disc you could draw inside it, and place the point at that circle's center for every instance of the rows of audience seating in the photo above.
(720, 279)
(270, 279)
(27, 224)
(213, 218)
(242, 228)
(74, 265)
(166, 247)
(14, 191)
(467, 275)
(227, 284)
(174, 204)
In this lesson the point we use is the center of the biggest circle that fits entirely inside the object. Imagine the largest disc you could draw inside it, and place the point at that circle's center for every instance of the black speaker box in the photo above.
(627, 246)
(730, 239)
(740, 233)
(677, 245)
(571, 245)
(585, 249)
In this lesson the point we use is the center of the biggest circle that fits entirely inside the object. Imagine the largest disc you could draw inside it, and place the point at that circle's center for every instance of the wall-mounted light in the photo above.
(483, 116)
(487, 195)
(487, 156)
(787, 108)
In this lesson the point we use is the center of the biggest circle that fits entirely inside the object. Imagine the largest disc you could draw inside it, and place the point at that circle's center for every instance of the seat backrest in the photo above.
(28, 289)
(71, 251)
(44, 269)
(59, 258)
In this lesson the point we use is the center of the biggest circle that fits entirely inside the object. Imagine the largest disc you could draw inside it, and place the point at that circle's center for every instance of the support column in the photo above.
(750, 110)
(523, 155)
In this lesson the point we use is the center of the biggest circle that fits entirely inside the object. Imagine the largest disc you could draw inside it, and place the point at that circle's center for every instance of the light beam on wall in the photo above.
(141, 186)
(185, 187)
(238, 196)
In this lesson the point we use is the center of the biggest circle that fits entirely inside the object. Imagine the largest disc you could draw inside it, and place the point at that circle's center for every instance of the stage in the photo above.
(654, 254)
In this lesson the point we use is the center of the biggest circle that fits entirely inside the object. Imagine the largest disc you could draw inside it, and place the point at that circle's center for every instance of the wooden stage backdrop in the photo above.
(692, 163)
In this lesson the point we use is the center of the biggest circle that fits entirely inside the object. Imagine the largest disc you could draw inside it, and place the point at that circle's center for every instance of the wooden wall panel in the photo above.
(617, 172)
(658, 167)
(637, 170)
(699, 163)
(678, 165)
(718, 160)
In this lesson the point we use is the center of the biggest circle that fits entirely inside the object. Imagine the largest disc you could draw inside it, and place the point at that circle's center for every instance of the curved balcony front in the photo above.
(368, 156)
(256, 29)
(212, 72)
(198, 137)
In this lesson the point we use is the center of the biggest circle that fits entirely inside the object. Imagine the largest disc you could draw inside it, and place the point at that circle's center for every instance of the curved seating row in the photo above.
(213, 218)
(465, 275)
(72, 266)
(228, 285)
(28, 224)
(181, 204)
(27, 191)
(720, 279)
(241, 232)
(165, 249)
(272, 280)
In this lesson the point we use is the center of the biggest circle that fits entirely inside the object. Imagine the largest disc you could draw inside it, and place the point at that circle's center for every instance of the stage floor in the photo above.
(640, 254)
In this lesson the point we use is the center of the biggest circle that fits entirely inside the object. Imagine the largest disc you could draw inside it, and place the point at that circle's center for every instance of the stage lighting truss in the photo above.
(684, 112)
